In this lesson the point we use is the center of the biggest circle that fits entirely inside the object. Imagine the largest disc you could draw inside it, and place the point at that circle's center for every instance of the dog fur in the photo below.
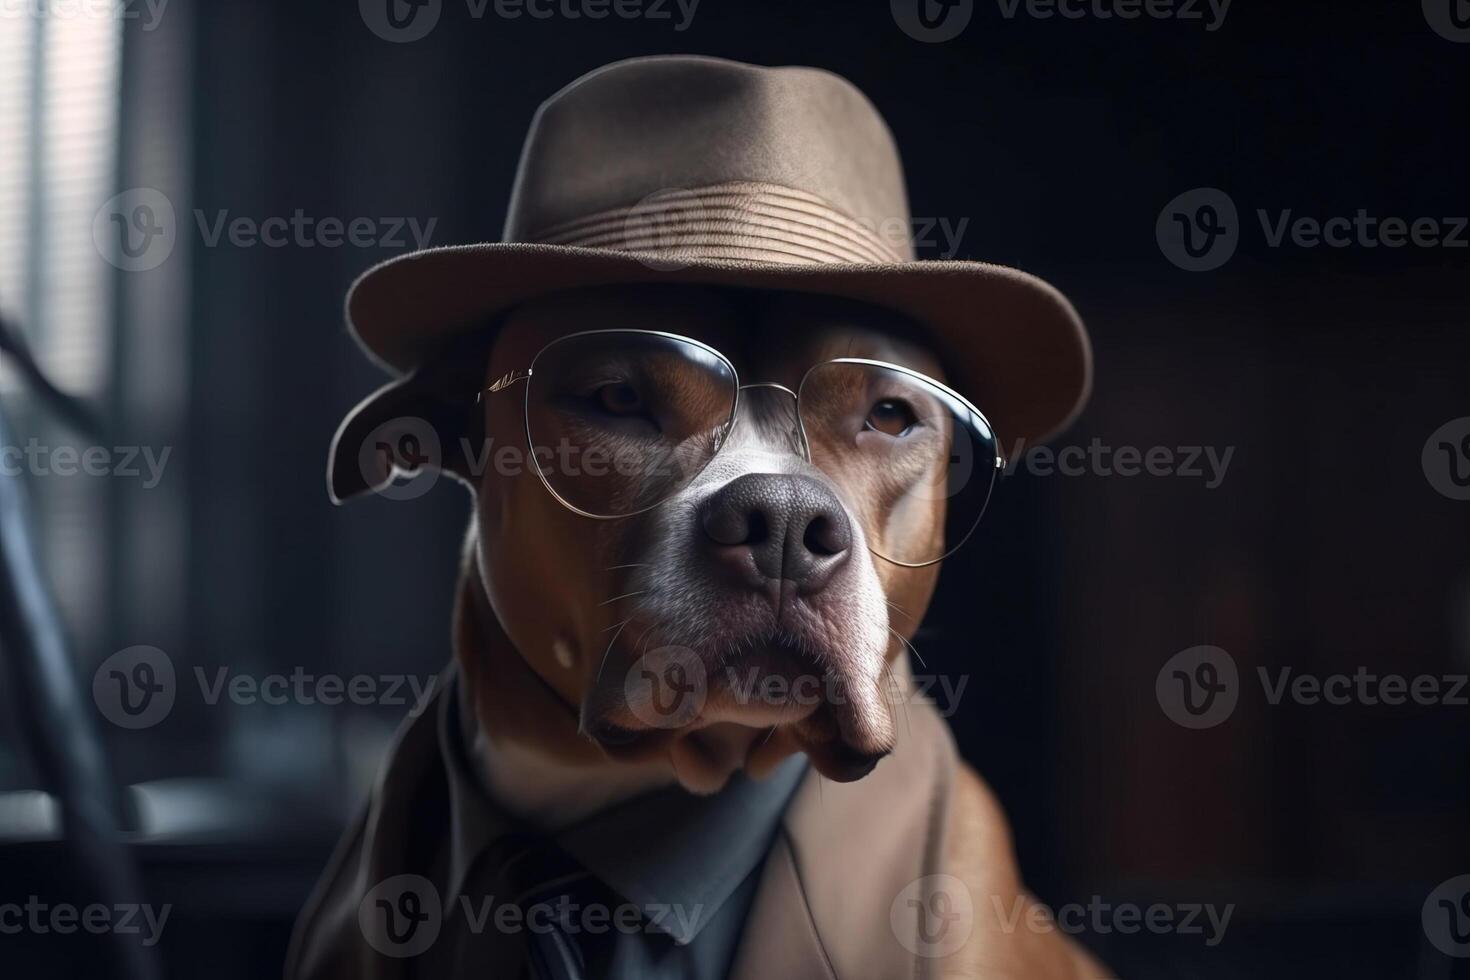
(543, 589)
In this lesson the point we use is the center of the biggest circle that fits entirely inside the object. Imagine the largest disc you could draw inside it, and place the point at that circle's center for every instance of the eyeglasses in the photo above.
(621, 420)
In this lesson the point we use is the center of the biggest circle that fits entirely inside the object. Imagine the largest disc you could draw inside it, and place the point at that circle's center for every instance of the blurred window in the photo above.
(59, 83)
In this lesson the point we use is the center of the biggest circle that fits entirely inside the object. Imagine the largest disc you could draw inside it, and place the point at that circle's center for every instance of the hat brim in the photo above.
(1012, 343)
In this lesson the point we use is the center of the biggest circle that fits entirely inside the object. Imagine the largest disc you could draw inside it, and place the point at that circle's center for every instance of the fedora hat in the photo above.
(689, 169)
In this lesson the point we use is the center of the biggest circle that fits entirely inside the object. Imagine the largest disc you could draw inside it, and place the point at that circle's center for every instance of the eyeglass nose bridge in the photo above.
(800, 433)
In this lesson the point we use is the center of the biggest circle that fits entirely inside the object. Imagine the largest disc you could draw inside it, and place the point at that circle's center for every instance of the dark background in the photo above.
(1325, 548)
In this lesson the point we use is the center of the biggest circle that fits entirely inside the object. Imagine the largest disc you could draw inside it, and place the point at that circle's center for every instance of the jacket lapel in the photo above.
(824, 904)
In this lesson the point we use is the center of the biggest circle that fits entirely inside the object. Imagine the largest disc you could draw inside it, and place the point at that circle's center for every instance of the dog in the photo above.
(695, 565)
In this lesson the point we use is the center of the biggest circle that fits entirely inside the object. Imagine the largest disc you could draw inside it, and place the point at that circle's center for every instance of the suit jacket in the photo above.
(841, 894)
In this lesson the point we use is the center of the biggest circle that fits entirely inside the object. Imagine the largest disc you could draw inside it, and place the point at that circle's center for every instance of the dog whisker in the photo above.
(769, 734)
(779, 722)
(910, 646)
(899, 609)
(627, 595)
(643, 640)
(634, 564)
(610, 645)
(903, 695)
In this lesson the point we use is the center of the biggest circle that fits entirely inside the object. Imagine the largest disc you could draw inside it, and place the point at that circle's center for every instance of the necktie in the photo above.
(551, 893)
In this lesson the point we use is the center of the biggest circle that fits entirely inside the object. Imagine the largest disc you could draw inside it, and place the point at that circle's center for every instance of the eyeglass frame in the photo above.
(524, 374)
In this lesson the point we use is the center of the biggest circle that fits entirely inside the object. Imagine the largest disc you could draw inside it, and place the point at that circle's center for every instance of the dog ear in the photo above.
(427, 421)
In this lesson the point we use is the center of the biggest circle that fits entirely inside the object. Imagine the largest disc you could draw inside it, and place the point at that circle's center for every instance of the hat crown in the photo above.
(795, 158)
(688, 169)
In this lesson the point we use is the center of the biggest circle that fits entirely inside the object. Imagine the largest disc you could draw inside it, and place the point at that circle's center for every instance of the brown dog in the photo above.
(544, 588)
(703, 401)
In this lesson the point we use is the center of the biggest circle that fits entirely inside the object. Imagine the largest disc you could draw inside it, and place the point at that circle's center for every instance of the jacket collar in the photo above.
(667, 848)
(824, 903)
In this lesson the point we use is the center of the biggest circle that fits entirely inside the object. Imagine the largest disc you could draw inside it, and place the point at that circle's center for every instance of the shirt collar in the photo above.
(682, 854)
(667, 850)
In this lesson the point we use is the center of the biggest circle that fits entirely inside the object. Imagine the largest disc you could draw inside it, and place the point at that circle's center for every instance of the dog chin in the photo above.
(775, 702)
(704, 759)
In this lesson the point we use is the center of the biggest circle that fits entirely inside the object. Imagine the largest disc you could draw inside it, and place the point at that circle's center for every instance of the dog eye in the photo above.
(619, 398)
(891, 417)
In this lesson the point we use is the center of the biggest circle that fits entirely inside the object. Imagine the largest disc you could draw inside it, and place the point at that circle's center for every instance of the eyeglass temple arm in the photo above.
(503, 382)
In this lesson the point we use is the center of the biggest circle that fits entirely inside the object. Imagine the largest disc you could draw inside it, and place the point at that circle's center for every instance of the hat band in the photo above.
(739, 220)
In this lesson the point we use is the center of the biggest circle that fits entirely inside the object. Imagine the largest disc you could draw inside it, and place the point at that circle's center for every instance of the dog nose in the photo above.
(786, 527)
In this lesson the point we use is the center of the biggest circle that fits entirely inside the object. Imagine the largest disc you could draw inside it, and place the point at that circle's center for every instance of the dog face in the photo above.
(740, 619)
(744, 617)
